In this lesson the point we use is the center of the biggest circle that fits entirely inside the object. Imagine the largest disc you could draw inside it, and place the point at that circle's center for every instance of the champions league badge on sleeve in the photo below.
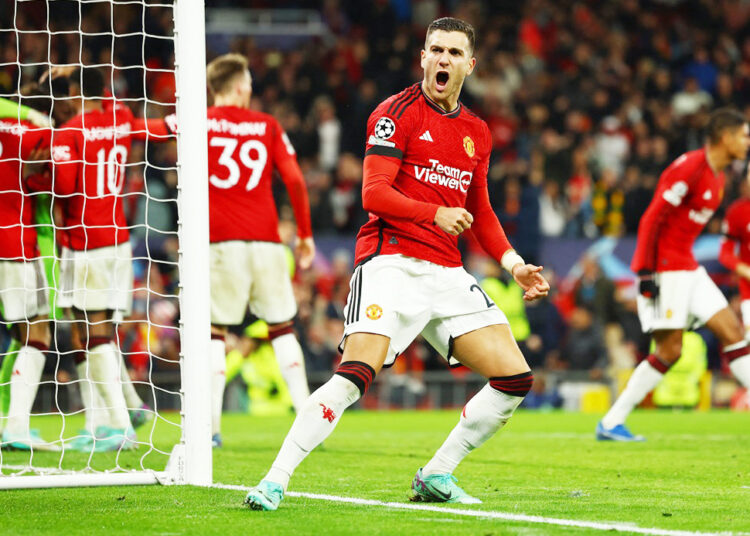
(384, 128)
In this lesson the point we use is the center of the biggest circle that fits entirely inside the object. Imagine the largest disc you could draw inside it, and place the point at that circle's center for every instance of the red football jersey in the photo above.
(89, 154)
(17, 234)
(244, 148)
(687, 195)
(737, 231)
(443, 156)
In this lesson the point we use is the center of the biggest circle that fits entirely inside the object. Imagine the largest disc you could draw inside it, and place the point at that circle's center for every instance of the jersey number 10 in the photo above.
(112, 167)
(227, 159)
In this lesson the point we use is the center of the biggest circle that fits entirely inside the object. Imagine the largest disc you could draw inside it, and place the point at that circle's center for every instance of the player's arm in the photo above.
(381, 199)
(285, 162)
(65, 162)
(152, 129)
(728, 251)
(9, 108)
(673, 189)
(294, 181)
(491, 236)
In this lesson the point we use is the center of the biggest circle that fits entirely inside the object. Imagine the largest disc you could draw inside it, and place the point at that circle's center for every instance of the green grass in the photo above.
(689, 475)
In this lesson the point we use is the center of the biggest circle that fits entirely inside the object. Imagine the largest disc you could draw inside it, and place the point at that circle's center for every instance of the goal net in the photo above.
(104, 316)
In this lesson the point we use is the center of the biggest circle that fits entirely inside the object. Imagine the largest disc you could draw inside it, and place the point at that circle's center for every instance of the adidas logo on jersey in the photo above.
(426, 136)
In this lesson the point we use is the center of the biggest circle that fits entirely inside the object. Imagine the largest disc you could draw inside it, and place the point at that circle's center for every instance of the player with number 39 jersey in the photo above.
(249, 265)
(244, 149)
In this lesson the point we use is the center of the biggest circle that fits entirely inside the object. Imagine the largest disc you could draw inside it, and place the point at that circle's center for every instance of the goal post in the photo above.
(192, 148)
(186, 459)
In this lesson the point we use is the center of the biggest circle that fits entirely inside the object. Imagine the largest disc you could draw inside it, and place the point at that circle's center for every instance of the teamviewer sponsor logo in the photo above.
(702, 216)
(447, 176)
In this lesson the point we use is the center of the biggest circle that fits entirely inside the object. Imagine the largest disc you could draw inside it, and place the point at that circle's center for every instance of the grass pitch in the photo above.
(693, 474)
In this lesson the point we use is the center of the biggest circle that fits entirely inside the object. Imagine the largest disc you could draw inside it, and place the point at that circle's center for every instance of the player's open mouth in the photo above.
(441, 80)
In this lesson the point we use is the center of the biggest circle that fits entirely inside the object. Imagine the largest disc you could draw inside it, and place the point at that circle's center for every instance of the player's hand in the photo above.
(57, 71)
(531, 280)
(305, 252)
(39, 119)
(37, 164)
(647, 286)
(453, 220)
(743, 270)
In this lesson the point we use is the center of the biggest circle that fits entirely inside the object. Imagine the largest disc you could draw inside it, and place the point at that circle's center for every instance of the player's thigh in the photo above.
(461, 307)
(65, 281)
(121, 296)
(230, 282)
(389, 296)
(490, 351)
(671, 308)
(23, 290)
(745, 309)
(271, 291)
(39, 329)
(93, 324)
(668, 344)
(706, 301)
(367, 348)
(726, 326)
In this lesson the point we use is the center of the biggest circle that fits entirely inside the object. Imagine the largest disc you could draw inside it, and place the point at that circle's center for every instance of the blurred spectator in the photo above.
(691, 99)
(583, 350)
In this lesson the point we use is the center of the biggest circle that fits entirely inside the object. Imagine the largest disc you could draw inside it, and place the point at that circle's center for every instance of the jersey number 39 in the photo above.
(228, 160)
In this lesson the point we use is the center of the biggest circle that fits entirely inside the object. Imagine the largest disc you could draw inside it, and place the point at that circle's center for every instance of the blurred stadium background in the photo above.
(587, 101)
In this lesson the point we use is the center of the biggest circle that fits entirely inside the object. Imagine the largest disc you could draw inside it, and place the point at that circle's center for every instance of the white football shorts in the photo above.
(401, 297)
(23, 290)
(687, 299)
(97, 279)
(254, 275)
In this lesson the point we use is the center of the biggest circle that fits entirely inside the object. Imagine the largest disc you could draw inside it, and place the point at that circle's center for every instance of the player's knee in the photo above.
(92, 341)
(733, 333)
(359, 373)
(39, 331)
(277, 330)
(517, 385)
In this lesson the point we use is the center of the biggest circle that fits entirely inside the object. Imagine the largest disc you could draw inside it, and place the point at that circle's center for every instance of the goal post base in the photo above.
(140, 478)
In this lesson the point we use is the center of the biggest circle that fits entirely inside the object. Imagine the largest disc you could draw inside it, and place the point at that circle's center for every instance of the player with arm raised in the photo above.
(675, 292)
(248, 262)
(89, 153)
(425, 182)
(735, 249)
(23, 283)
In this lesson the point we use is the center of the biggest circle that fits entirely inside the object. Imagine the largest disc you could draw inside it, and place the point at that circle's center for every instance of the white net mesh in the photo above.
(100, 192)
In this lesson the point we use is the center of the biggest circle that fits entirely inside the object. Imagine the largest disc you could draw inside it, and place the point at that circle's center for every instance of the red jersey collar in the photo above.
(432, 104)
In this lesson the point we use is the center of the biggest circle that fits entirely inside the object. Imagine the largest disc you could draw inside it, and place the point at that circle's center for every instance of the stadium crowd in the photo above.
(587, 102)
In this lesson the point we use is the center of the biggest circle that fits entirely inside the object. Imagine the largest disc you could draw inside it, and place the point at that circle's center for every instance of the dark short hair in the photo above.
(89, 80)
(223, 70)
(721, 120)
(449, 24)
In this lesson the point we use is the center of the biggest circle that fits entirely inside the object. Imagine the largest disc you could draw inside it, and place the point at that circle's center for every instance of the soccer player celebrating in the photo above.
(89, 153)
(249, 265)
(735, 249)
(23, 283)
(425, 182)
(675, 292)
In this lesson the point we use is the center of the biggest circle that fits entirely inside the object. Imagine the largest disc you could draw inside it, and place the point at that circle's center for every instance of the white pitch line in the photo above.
(618, 527)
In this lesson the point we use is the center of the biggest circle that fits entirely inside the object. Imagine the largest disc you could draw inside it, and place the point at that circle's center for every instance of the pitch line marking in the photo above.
(596, 525)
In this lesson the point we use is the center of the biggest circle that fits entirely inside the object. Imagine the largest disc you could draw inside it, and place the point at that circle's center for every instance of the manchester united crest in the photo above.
(374, 312)
(469, 146)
